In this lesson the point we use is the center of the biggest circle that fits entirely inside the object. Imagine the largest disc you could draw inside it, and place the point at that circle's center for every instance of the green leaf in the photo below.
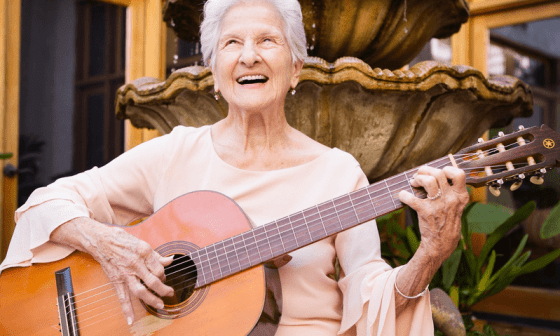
(506, 268)
(487, 273)
(485, 218)
(454, 295)
(471, 263)
(450, 267)
(536, 265)
(551, 225)
(5, 156)
(412, 239)
(465, 234)
(520, 215)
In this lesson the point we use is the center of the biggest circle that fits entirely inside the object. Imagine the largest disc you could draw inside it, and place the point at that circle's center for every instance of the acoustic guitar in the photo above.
(222, 263)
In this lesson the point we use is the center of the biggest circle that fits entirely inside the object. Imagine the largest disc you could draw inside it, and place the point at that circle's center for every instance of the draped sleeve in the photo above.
(367, 286)
(117, 193)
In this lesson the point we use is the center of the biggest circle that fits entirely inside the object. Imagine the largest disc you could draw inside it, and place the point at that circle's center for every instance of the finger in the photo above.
(409, 199)
(166, 261)
(124, 299)
(437, 174)
(155, 284)
(457, 176)
(141, 292)
(154, 266)
(428, 182)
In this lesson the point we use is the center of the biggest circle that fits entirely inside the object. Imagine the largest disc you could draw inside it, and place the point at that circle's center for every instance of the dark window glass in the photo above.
(95, 108)
(97, 38)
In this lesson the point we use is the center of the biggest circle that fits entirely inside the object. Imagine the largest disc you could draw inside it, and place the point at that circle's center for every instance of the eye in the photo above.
(231, 42)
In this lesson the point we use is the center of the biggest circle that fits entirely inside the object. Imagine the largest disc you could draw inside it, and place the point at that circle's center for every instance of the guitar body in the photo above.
(241, 304)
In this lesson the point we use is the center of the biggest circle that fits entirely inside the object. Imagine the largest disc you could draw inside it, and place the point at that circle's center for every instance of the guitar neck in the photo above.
(297, 230)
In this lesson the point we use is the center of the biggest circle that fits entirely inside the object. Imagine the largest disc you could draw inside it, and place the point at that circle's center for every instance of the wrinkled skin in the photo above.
(125, 259)
(440, 226)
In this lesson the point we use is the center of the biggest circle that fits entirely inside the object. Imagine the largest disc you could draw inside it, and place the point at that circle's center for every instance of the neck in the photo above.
(252, 132)
(297, 230)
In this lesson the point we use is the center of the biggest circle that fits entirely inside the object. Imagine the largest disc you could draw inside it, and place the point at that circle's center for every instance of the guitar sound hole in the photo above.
(181, 276)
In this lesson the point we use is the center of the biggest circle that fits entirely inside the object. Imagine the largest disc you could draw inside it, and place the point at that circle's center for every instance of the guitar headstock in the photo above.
(528, 152)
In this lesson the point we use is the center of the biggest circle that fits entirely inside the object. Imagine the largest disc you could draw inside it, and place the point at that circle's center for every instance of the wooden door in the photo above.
(9, 113)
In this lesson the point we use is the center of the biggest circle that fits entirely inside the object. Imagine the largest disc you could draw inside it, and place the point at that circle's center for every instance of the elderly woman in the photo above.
(255, 49)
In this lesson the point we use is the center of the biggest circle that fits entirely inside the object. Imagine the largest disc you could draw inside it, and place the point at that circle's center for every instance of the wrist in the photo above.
(428, 256)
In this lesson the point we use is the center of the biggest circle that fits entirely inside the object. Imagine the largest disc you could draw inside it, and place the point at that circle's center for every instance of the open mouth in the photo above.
(254, 79)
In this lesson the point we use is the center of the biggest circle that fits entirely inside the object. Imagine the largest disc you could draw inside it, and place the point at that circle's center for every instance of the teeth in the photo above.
(248, 78)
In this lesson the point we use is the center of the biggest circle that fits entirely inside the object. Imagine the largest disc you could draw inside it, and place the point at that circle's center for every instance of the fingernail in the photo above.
(129, 320)
(160, 305)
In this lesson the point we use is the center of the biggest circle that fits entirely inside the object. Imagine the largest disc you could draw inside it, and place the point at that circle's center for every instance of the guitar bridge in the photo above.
(66, 303)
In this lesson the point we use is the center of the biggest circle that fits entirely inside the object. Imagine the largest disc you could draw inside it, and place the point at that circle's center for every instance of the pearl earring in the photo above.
(293, 92)
(216, 96)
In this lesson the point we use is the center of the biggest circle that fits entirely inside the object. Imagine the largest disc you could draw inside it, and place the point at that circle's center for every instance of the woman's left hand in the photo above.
(440, 213)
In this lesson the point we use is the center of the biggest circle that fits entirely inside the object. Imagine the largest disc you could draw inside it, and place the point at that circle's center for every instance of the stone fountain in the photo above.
(390, 120)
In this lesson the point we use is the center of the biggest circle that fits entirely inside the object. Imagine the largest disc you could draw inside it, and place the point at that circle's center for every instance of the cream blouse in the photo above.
(144, 179)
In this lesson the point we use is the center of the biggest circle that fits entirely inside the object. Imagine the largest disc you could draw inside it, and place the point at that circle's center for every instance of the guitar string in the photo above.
(295, 239)
(461, 156)
(365, 202)
(187, 280)
(268, 238)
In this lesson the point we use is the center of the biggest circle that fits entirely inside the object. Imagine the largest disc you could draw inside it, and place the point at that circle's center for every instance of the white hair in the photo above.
(215, 10)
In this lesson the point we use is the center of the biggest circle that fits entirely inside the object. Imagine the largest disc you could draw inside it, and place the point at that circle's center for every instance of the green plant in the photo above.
(5, 156)
(466, 277)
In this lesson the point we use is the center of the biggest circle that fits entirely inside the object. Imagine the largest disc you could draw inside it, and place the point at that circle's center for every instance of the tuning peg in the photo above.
(520, 128)
(480, 140)
(517, 183)
(538, 177)
(495, 186)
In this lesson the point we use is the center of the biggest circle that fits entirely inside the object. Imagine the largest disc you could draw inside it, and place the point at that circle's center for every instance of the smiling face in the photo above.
(254, 68)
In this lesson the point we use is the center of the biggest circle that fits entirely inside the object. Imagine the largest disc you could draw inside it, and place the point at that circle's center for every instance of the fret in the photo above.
(241, 250)
(347, 215)
(293, 231)
(287, 234)
(273, 234)
(199, 270)
(231, 254)
(329, 217)
(389, 193)
(223, 262)
(206, 266)
(314, 223)
(303, 236)
(321, 218)
(251, 245)
(336, 212)
(262, 241)
(214, 266)
(362, 204)
(408, 183)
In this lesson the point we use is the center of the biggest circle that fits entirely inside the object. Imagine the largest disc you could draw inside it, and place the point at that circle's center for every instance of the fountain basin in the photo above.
(390, 121)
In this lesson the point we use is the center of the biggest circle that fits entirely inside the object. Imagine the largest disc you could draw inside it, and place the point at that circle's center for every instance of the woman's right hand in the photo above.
(125, 259)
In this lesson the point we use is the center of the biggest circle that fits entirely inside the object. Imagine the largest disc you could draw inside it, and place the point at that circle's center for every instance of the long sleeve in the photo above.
(368, 291)
(117, 193)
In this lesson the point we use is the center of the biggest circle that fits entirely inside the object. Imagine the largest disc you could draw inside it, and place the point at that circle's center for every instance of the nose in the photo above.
(249, 54)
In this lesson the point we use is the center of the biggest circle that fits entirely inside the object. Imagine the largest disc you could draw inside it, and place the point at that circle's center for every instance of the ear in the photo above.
(297, 66)
(216, 88)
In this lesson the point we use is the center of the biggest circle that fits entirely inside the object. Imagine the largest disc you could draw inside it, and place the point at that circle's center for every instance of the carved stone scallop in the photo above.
(389, 120)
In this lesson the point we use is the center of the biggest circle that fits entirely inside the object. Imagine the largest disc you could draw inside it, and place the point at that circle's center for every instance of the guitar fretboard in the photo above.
(264, 243)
